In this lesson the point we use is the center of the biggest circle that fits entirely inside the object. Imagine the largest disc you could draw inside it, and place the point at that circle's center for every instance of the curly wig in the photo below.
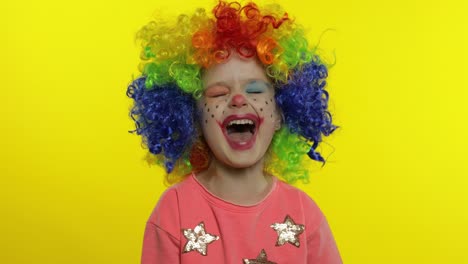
(173, 57)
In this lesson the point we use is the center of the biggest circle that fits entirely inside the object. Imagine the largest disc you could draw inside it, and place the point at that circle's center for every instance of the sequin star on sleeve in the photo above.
(261, 259)
(288, 232)
(198, 239)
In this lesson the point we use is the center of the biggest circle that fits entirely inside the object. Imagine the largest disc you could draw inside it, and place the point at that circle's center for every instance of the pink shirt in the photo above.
(191, 225)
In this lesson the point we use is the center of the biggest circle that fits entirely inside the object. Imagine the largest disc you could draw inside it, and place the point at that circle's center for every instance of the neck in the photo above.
(244, 186)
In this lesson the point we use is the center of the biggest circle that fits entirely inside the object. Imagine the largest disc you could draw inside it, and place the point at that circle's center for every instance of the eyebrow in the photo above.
(258, 81)
(244, 83)
(217, 84)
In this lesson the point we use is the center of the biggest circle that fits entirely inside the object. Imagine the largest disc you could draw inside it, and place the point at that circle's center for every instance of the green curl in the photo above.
(290, 151)
(187, 76)
(156, 74)
(296, 50)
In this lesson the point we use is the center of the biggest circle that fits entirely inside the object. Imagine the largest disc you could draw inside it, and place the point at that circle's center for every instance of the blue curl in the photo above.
(304, 102)
(165, 118)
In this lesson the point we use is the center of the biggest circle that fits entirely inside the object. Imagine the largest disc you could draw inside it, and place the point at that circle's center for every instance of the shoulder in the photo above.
(166, 213)
(312, 214)
(170, 198)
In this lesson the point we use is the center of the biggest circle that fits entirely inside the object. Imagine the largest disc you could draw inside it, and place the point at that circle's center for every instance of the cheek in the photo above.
(211, 112)
(266, 107)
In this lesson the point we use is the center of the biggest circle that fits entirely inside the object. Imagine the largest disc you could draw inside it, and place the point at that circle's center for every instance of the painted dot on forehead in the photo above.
(261, 109)
(255, 99)
(212, 116)
(208, 110)
(266, 102)
(217, 106)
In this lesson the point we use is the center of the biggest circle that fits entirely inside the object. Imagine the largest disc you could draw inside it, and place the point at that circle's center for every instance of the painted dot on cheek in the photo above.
(266, 102)
(212, 116)
(261, 109)
(206, 121)
(217, 106)
(208, 110)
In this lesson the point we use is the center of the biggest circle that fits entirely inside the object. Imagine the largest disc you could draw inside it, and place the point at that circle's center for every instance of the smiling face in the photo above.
(239, 114)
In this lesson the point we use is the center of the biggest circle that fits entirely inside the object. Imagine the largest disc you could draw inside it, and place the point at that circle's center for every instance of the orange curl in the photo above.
(202, 57)
(202, 40)
(221, 55)
(264, 50)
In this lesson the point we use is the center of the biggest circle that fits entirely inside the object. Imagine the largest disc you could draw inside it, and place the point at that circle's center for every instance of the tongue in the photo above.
(240, 136)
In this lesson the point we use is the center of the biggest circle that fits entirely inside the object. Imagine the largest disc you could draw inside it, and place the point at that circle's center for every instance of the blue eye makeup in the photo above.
(256, 87)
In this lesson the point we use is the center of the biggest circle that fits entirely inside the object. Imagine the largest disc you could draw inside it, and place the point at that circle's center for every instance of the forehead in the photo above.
(235, 70)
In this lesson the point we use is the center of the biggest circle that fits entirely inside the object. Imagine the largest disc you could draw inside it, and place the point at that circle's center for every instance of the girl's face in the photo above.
(239, 114)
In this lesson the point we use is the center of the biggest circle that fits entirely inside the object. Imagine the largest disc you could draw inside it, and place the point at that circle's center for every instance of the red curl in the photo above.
(238, 28)
(199, 156)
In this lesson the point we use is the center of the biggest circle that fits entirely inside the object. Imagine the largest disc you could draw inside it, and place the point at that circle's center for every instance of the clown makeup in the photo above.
(239, 114)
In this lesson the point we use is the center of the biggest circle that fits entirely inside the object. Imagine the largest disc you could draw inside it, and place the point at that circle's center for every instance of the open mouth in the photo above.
(240, 130)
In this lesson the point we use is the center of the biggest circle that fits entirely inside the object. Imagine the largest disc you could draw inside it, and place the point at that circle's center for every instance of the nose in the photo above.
(238, 101)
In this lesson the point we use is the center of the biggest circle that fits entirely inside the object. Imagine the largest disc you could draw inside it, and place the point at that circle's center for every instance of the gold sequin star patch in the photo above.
(261, 259)
(198, 239)
(288, 232)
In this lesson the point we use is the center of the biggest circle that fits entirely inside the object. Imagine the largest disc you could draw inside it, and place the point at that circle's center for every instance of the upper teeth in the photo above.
(241, 122)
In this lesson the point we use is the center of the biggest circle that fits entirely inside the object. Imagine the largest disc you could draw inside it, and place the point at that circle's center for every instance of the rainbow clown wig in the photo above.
(173, 58)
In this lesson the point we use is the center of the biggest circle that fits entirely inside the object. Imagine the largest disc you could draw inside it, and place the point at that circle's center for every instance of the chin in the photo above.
(242, 164)
(240, 159)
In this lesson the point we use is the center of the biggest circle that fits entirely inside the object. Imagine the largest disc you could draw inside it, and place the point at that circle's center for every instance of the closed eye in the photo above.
(254, 91)
(216, 91)
(256, 87)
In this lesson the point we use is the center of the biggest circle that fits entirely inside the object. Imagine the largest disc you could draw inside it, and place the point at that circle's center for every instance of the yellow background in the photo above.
(75, 188)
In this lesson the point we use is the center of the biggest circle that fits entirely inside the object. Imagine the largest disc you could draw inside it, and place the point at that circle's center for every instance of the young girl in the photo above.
(227, 102)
